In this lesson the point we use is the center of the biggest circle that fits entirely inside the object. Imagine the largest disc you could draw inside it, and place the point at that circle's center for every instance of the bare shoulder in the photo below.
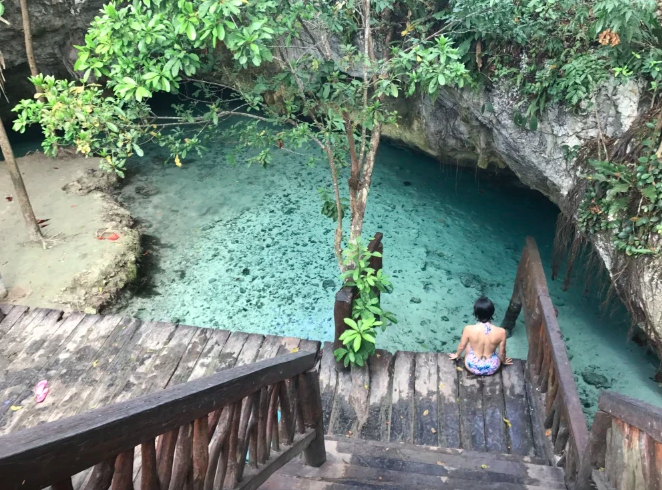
(501, 332)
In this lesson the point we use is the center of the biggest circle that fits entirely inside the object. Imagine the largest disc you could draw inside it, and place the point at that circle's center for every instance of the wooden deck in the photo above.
(90, 361)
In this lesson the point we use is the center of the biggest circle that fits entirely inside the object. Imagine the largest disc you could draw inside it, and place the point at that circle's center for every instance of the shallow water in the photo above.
(246, 248)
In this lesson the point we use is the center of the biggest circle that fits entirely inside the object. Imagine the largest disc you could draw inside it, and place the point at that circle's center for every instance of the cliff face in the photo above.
(470, 127)
(56, 26)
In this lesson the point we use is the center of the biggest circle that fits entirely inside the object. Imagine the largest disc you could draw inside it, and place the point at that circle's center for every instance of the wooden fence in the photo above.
(197, 435)
(625, 446)
(557, 409)
(342, 307)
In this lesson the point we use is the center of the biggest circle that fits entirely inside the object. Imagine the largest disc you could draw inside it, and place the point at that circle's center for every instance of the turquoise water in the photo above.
(246, 248)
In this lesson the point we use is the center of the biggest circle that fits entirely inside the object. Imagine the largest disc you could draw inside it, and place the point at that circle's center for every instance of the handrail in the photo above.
(204, 429)
(342, 307)
(625, 445)
(548, 367)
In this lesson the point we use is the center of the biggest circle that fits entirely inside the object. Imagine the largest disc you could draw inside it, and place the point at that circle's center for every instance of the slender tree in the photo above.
(27, 32)
(34, 231)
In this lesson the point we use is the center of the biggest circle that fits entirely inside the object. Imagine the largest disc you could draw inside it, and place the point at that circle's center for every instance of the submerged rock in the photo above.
(592, 377)
(329, 284)
(415, 300)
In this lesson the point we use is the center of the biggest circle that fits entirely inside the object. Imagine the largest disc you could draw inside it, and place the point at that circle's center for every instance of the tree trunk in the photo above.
(29, 51)
(34, 231)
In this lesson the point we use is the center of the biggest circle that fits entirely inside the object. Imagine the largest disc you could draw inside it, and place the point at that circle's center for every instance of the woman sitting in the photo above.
(482, 340)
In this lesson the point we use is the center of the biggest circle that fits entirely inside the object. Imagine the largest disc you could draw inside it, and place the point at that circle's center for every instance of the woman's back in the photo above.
(484, 338)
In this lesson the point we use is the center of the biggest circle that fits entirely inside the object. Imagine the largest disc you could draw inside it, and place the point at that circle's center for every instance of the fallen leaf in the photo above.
(74, 205)
(15, 408)
(178, 162)
(9, 198)
(113, 237)
(426, 412)
(378, 355)
(548, 432)
(458, 368)
(146, 253)
(433, 430)
(296, 349)
(56, 168)
(101, 238)
(95, 363)
(508, 423)
(350, 432)
(440, 463)
(484, 466)
(40, 221)
(43, 226)
(366, 387)
(441, 386)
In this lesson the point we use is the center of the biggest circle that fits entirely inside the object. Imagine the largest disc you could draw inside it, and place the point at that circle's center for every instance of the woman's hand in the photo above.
(453, 356)
(508, 361)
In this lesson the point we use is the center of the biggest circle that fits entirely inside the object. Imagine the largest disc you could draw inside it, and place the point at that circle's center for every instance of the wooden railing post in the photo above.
(513, 311)
(311, 404)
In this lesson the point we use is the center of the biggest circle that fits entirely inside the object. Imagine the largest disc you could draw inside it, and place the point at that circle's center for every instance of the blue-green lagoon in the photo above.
(246, 248)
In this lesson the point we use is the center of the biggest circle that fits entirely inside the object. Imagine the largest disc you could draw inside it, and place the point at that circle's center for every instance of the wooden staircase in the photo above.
(359, 464)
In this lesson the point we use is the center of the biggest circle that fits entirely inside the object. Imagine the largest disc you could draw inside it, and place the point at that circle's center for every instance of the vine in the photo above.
(367, 314)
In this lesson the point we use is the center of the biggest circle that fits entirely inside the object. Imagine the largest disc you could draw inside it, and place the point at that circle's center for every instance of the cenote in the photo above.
(246, 248)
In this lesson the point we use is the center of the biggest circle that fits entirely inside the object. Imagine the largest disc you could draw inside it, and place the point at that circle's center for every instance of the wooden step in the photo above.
(367, 464)
(296, 476)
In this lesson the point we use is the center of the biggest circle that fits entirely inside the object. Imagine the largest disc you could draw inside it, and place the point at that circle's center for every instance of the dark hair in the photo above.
(483, 309)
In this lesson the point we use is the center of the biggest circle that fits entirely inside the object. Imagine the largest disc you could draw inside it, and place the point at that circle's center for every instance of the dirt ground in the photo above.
(74, 270)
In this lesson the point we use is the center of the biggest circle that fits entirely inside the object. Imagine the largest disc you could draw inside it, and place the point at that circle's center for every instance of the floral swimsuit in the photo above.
(483, 366)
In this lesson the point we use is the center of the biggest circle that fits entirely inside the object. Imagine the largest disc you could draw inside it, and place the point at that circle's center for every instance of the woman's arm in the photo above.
(462, 345)
(502, 352)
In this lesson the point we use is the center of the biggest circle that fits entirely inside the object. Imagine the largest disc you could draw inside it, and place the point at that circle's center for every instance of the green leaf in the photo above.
(190, 31)
(138, 150)
(357, 343)
(351, 323)
(533, 123)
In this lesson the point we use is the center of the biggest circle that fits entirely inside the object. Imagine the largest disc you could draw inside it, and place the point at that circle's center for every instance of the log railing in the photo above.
(229, 430)
(345, 297)
(554, 392)
(625, 446)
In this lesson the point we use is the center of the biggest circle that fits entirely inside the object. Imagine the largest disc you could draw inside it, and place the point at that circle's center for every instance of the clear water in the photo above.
(246, 248)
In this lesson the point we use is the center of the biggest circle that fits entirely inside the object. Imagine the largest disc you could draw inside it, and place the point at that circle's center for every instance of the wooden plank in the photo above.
(211, 354)
(254, 478)
(27, 459)
(269, 347)
(449, 403)
(520, 431)
(13, 329)
(191, 356)
(13, 316)
(426, 387)
(495, 412)
(402, 397)
(27, 369)
(328, 384)
(376, 426)
(359, 396)
(542, 443)
(309, 345)
(65, 369)
(343, 416)
(636, 413)
(250, 349)
(471, 412)
(14, 341)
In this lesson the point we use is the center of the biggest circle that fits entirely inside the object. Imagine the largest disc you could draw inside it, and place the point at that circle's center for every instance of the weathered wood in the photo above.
(102, 475)
(183, 457)
(63, 485)
(14, 335)
(272, 422)
(254, 479)
(517, 409)
(112, 429)
(263, 412)
(376, 426)
(328, 383)
(636, 413)
(512, 312)
(150, 478)
(218, 453)
(449, 403)
(13, 316)
(213, 353)
(471, 412)
(245, 427)
(600, 481)
(315, 453)
(200, 452)
(426, 383)
(286, 426)
(342, 308)
(123, 475)
(542, 443)
(249, 350)
(165, 456)
(192, 355)
(402, 396)
(495, 412)
(231, 474)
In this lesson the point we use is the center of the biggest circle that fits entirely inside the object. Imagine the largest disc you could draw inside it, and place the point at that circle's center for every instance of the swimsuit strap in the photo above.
(488, 328)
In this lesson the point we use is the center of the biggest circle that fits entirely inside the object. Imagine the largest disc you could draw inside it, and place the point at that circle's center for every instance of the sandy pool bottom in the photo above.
(246, 248)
